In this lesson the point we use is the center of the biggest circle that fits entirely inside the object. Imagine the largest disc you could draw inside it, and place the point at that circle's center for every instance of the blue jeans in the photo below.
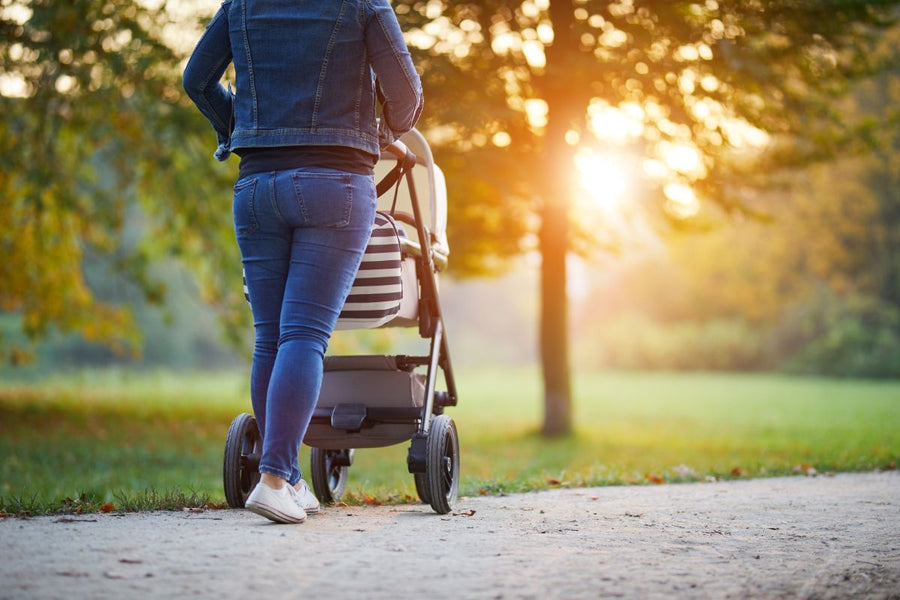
(302, 234)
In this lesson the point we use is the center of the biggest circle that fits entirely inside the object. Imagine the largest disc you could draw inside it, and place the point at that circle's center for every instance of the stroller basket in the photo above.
(366, 402)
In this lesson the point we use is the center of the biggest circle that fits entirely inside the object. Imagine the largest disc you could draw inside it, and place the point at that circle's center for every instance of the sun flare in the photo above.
(603, 177)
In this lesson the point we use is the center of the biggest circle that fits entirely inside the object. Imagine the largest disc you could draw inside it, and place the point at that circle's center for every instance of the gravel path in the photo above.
(799, 537)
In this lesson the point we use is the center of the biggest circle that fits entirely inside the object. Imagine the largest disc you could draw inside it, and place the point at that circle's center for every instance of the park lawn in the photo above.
(154, 440)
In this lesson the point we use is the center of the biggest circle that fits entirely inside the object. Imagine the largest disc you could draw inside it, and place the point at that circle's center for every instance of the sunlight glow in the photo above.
(536, 110)
(616, 124)
(655, 169)
(603, 177)
(545, 32)
(530, 9)
(534, 53)
(13, 85)
(65, 84)
(683, 158)
(681, 200)
(741, 134)
(501, 139)
(17, 12)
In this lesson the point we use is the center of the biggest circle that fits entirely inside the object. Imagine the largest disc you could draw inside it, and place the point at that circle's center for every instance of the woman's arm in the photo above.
(396, 77)
(202, 77)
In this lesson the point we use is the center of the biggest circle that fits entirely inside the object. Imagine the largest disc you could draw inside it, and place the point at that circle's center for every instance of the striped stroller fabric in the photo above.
(376, 295)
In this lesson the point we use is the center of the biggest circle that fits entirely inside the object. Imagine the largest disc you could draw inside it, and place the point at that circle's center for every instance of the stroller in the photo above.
(377, 400)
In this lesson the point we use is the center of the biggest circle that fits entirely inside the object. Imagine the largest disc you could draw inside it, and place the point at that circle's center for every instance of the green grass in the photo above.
(154, 440)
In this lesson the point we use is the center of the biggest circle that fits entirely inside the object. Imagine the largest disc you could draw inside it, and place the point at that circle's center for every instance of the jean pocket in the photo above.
(325, 198)
(245, 222)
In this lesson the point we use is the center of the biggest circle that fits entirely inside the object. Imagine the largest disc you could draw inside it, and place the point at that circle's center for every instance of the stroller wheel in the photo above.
(442, 464)
(421, 480)
(329, 473)
(240, 469)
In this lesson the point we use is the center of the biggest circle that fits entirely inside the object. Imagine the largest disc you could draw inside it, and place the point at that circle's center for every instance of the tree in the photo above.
(519, 84)
(96, 137)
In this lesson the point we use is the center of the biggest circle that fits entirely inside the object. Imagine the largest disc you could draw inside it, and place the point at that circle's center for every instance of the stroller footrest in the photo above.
(418, 453)
(374, 414)
(349, 417)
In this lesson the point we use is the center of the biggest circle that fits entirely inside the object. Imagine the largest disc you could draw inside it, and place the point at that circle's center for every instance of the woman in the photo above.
(302, 120)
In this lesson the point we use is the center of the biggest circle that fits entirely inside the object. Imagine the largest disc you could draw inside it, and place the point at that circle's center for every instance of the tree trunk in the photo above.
(557, 163)
(554, 338)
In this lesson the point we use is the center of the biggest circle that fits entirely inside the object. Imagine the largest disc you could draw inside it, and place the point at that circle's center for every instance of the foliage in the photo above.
(636, 341)
(825, 335)
(95, 140)
(708, 76)
(181, 334)
(851, 336)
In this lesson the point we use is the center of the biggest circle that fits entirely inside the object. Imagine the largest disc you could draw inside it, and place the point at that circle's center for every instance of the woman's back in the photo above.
(304, 72)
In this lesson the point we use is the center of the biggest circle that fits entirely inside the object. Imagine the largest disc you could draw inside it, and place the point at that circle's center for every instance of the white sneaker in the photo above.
(281, 506)
(306, 498)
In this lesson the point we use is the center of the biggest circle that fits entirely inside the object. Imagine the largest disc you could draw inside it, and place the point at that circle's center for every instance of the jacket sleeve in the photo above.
(202, 77)
(399, 86)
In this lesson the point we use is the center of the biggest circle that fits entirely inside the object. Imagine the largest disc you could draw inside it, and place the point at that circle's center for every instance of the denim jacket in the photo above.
(306, 74)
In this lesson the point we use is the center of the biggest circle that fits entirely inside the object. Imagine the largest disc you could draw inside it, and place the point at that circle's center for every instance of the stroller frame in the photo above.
(433, 456)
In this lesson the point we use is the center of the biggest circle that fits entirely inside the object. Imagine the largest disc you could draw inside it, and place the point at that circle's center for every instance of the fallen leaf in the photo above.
(466, 513)
(553, 481)
(655, 478)
(372, 500)
(3, 515)
(189, 509)
(595, 497)
(483, 491)
(736, 472)
(634, 515)
(107, 508)
(342, 504)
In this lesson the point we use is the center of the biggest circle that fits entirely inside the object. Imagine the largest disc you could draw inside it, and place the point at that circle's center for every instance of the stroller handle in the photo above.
(401, 151)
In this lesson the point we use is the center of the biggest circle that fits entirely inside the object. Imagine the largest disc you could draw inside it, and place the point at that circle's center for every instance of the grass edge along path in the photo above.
(146, 441)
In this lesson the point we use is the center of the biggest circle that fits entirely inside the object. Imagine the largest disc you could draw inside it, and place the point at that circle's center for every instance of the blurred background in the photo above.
(702, 186)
